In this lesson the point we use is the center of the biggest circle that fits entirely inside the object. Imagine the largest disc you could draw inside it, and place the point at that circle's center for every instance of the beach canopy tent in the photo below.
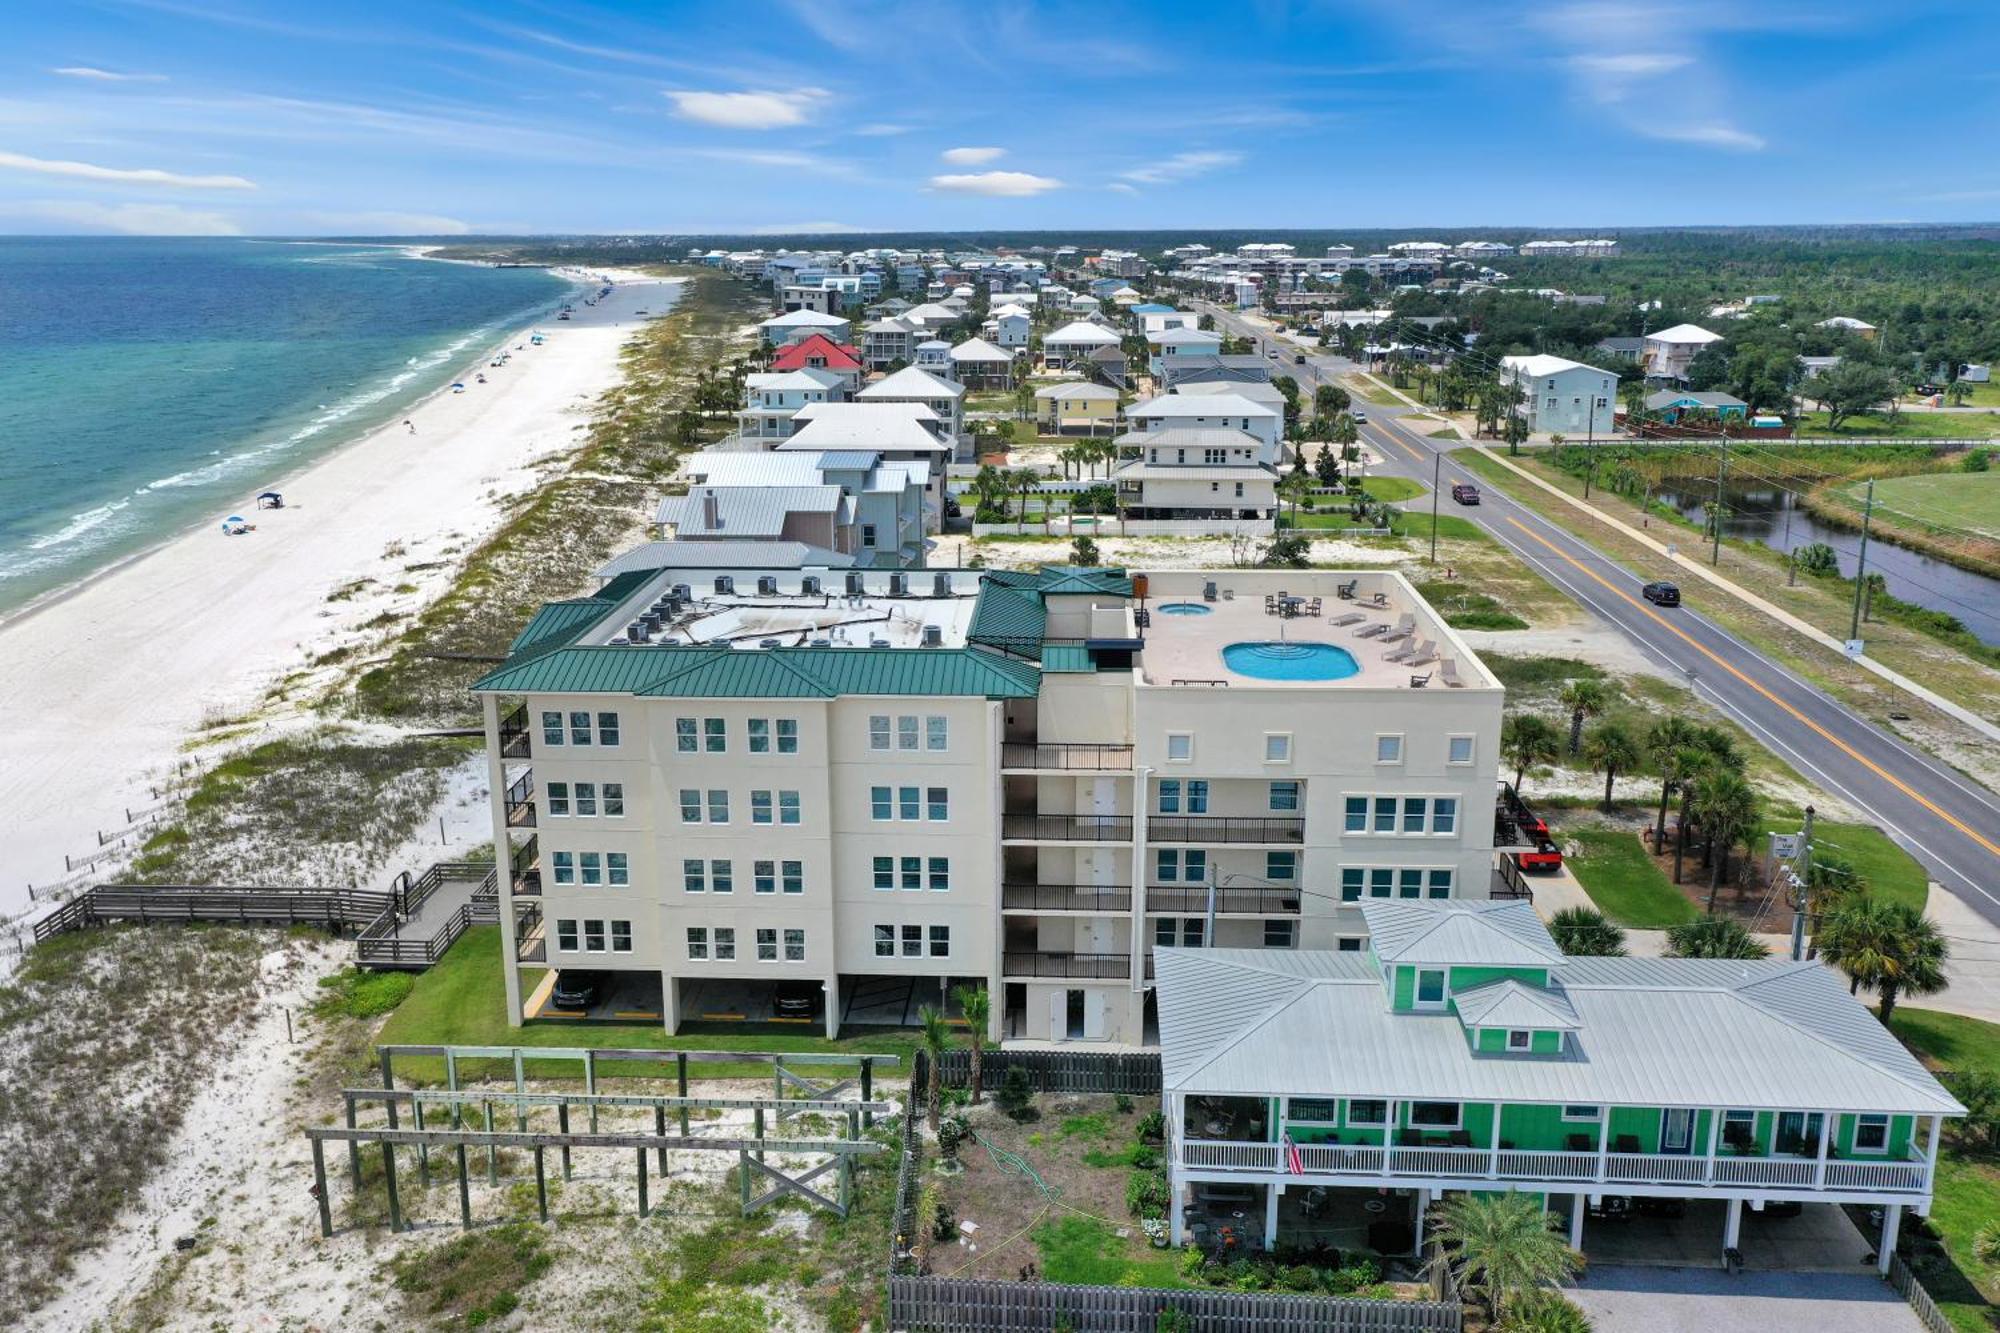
(270, 500)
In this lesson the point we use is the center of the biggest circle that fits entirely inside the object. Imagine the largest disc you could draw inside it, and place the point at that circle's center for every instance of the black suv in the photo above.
(797, 999)
(578, 988)
(1661, 594)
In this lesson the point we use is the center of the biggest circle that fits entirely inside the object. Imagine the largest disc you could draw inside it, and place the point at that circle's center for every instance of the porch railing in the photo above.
(1085, 965)
(1073, 757)
(1066, 828)
(1224, 828)
(1065, 898)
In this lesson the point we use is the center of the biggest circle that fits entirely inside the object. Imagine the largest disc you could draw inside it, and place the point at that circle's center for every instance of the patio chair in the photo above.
(1351, 618)
(1380, 599)
(1409, 1138)
(1270, 605)
(1345, 592)
(1312, 607)
(1449, 670)
(1371, 630)
(1460, 1139)
(1405, 627)
(1208, 592)
(1407, 652)
(1628, 1143)
(1419, 680)
(1427, 653)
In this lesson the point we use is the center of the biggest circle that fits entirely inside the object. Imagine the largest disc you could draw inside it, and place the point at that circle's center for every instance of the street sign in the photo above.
(1853, 647)
(1784, 846)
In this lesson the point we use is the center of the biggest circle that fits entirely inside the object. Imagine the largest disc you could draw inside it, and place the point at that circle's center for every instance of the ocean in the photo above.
(147, 385)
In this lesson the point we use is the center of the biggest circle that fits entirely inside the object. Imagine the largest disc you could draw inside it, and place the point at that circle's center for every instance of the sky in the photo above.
(154, 117)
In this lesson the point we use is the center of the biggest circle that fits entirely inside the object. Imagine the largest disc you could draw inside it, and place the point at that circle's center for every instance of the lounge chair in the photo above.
(1399, 655)
(1351, 618)
(1345, 592)
(1380, 599)
(1370, 631)
(1449, 670)
(1405, 627)
(1427, 653)
(1417, 682)
(1208, 592)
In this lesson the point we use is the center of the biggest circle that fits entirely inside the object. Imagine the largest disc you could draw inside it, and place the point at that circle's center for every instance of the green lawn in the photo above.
(1890, 871)
(1391, 489)
(1450, 527)
(462, 1002)
(1079, 1248)
(1967, 1192)
(1949, 499)
(1905, 426)
(1623, 881)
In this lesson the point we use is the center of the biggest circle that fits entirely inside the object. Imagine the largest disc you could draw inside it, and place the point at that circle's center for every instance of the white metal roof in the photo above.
(1512, 1004)
(1077, 389)
(978, 349)
(1684, 333)
(1081, 333)
(1543, 365)
(908, 384)
(1460, 932)
(723, 555)
(1199, 405)
(746, 511)
(793, 319)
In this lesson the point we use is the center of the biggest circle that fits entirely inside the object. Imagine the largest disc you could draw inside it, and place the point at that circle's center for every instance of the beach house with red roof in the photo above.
(816, 351)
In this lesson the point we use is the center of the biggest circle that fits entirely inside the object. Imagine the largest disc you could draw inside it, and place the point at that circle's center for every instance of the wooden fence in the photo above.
(977, 1305)
(1059, 1071)
(1906, 1285)
(335, 909)
(910, 1170)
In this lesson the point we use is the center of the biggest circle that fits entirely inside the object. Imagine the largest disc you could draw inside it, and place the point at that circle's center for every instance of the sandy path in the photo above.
(104, 685)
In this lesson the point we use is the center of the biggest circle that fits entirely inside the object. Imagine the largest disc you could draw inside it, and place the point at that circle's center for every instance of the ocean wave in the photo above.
(79, 525)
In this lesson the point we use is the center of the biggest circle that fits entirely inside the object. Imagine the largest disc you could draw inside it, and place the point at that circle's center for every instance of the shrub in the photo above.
(1152, 1127)
(1174, 1321)
(1147, 1193)
(1016, 1095)
(1544, 1311)
(1123, 1103)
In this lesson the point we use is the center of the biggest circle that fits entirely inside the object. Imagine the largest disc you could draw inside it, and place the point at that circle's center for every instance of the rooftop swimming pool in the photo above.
(1183, 609)
(1289, 661)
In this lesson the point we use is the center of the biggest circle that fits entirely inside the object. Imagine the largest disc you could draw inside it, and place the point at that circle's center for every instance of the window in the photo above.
(607, 728)
(906, 733)
(1413, 814)
(1277, 747)
(592, 866)
(721, 877)
(885, 872)
(909, 803)
(552, 730)
(1279, 934)
(617, 868)
(1409, 884)
(764, 876)
(715, 735)
(1444, 815)
(566, 935)
(792, 876)
(1367, 1111)
(563, 864)
(1458, 750)
(1381, 882)
(725, 943)
(579, 728)
(767, 945)
(1385, 814)
(1440, 884)
(760, 807)
(879, 804)
(690, 805)
(1871, 1133)
(1351, 943)
(1517, 1040)
(684, 735)
(758, 730)
(718, 805)
(868, 535)
(1357, 814)
(558, 798)
(1389, 749)
(697, 941)
(621, 937)
(788, 735)
(878, 732)
(885, 941)
(1430, 987)
(1281, 866)
(940, 941)
(795, 946)
(694, 876)
(937, 732)
(614, 800)
(913, 873)
(1739, 1127)
(1284, 796)
(1170, 796)
(788, 807)
(940, 874)
(1194, 866)
(1591, 1113)
(1312, 1110)
(593, 936)
(937, 804)
(1197, 797)
(1167, 865)
(1352, 879)
(1435, 1115)
(1180, 746)
(586, 799)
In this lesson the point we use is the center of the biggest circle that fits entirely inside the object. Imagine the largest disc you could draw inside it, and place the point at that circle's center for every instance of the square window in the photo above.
(1440, 884)
(1285, 797)
(621, 937)
(913, 872)
(1517, 1040)
(1180, 746)
(579, 728)
(879, 804)
(1381, 882)
(563, 866)
(788, 735)
(1413, 814)
(718, 805)
(593, 936)
(788, 807)
(878, 732)
(937, 732)
(1871, 1133)
(906, 733)
(725, 943)
(758, 729)
(697, 937)
(940, 874)
(795, 946)
(1389, 749)
(614, 800)
(1282, 867)
(1170, 796)
(552, 728)
(586, 799)
(592, 866)
(764, 876)
(913, 941)
(1385, 814)
(566, 935)
(1277, 747)
(1352, 880)
(684, 735)
(760, 807)
(767, 945)
(1163, 932)
(694, 876)
(617, 868)
(1409, 884)
(607, 728)
(909, 803)
(721, 877)
(715, 735)
(1279, 934)
(940, 941)
(885, 872)
(937, 803)
(1194, 866)
(1444, 815)
(558, 798)
(1430, 986)
(793, 876)
(885, 941)
(1458, 750)
(1356, 815)
(690, 805)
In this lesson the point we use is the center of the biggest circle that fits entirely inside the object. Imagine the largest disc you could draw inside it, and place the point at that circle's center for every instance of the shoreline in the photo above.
(118, 670)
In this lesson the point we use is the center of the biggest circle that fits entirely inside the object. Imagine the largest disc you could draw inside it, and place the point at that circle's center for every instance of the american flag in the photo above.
(1293, 1161)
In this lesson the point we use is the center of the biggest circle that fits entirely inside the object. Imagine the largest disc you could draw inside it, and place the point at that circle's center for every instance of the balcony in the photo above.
(1210, 829)
(1067, 758)
(1114, 966)
(528, 869)
(520, 802)
(1228, 902)
(515, 740)
(1065, 828)
(1094, 898)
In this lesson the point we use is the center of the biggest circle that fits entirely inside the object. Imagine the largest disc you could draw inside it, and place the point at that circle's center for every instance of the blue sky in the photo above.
(201, 116)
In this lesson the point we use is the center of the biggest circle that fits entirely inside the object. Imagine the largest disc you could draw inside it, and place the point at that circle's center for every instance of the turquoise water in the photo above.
(1183, 609)
(147, 385)
(1290, 661)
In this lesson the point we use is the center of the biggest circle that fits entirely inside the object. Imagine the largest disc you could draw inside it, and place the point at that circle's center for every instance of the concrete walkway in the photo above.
(1707, 1300)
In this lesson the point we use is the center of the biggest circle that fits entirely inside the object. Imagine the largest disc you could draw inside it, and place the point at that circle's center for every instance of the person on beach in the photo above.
(411, 424)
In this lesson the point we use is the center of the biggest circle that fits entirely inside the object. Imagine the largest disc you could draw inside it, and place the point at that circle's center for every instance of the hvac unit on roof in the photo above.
(853, 584)
(822, 643)
(725, 583)
(769, 643)
(637, 632)
(767, 585)
(809, 585)
(933, 636)
(651, 623)
(877, 643)
(941, 584)
(899, 585)
(684, 592)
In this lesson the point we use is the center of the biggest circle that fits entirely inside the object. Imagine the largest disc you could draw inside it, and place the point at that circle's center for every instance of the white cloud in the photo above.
(997, 184)
(387, 223)
(1122, 188)
(1713, 135)
(883, 130)
(1634, 64)
(105, 75)
(972, 157)
(803, 229)
(129, 219)
(120, 175)
(750, 110)
(1180, 167)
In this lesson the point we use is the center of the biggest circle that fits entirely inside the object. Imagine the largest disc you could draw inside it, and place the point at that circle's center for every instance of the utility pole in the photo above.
(1590, 445)
(1437, 471)
(1791, 556)
(1721, 474)
(1802, 898)
(1208, 931)
(1861, 568)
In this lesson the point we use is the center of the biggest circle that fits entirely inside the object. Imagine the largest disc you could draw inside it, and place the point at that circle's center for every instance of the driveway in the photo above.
(1707, 1300)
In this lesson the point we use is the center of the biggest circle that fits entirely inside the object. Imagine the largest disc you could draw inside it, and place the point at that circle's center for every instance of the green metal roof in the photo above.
(1067, 658)
(559, 623)
(765, 672)
(1008, 617)
(1065, 579)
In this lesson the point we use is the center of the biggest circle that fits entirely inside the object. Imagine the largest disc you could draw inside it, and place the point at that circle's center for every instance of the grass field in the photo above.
(1623, 881)
(1906, 426)
(1968, 1179)
(1945, 499)
(1889, 871)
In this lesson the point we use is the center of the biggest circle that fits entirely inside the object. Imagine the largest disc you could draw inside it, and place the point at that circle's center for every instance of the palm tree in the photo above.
(1295, 487)
(1500, 1246)
(1515, 432)
(1890, 947)
(1729, 811)
(976, 1004)
(1611, 751)
(937, 1040)
(1585, 698)
(1713, 937)
(1585, 932)
(1024, 480)
(1665, 740)
(1345, 432)
(1527, 740)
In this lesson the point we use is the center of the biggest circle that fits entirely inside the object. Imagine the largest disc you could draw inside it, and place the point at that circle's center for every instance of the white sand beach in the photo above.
(107, 683)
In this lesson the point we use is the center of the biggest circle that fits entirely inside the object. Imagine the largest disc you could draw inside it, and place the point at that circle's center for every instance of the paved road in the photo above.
(1948, 822)
(1707, 1300)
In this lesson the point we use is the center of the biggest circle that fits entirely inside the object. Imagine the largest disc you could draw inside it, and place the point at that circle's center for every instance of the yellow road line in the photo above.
(1712, 656)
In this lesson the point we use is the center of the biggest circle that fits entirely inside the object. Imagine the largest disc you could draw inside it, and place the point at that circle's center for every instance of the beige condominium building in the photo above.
(831, 795)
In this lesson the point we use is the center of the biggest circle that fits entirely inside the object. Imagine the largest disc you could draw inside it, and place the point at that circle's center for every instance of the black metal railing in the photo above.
(520, 802)
(515, 741)
(1112, 965)
(1067, 757)
(1067, 828)
(1228, 902)
(1066, 897)
(1224, 828)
